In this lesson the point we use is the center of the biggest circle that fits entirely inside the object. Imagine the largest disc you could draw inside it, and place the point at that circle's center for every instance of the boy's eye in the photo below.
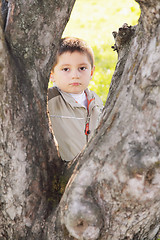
(65, 69)
(83, 68)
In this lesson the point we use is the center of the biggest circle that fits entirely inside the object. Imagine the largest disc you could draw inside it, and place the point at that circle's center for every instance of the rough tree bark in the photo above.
(114, 190)
(30, 31)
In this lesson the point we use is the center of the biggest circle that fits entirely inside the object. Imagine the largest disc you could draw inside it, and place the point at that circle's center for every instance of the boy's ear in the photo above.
(52, 76)
(92, 71)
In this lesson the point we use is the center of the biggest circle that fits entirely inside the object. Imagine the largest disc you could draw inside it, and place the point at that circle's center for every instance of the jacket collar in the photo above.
(70, 100)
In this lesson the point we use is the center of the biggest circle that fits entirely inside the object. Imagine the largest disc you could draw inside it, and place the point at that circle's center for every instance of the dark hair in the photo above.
(72, 44)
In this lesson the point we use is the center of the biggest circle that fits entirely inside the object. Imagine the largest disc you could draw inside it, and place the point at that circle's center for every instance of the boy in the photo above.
(74, 109)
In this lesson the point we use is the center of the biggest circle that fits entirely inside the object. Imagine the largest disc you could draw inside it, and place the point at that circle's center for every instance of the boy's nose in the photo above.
(75, 74)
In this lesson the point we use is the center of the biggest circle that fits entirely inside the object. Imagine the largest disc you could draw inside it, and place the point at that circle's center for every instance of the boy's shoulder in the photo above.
(92, 94)
(53, 92)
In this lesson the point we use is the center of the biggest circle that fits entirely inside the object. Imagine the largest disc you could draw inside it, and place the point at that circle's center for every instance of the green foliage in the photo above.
(105, 61)
(94, 21)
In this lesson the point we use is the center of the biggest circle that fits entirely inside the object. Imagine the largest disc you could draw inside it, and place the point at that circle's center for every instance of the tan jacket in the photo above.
(72, 123)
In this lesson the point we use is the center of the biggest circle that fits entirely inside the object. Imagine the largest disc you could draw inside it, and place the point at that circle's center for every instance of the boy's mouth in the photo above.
(75, 84)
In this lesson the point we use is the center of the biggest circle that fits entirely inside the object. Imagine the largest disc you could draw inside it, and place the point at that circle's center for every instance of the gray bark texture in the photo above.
(114, 189)
(29, 164)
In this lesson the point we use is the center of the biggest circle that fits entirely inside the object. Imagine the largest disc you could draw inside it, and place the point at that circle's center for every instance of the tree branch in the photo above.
(117, 181)
(30, 165)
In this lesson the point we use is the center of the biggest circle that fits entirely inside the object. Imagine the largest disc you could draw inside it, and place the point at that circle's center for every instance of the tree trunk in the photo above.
(29, 167)
(114, 190)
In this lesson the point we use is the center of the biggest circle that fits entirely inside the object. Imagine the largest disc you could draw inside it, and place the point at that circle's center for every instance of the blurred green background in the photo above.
(94, 21)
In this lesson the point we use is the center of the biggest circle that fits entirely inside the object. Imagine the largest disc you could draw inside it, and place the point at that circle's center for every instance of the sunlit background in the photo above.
(94, 21)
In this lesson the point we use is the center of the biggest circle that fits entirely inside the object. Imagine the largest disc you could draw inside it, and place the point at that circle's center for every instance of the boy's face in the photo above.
(72, 72)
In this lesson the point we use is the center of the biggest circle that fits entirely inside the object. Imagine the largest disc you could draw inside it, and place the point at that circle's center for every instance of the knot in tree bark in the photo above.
(80, 212)
(83, 220)
(123, 36)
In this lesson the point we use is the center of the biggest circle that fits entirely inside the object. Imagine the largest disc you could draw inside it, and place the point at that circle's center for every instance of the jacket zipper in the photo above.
(87, 130)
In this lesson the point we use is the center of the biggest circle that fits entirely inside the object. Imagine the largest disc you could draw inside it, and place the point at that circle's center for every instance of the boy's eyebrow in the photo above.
(67, 64)
(83, 64)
